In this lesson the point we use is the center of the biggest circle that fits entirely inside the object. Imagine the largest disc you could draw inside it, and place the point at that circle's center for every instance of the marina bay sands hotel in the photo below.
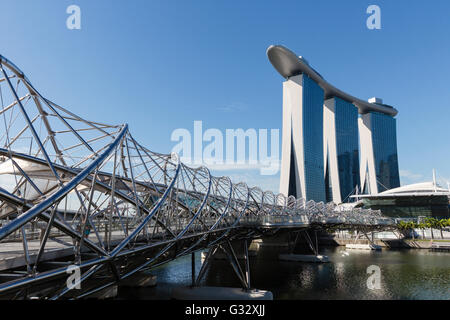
(333, 143)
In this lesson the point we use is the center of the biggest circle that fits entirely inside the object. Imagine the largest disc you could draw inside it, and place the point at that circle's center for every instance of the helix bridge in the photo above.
(75, 192)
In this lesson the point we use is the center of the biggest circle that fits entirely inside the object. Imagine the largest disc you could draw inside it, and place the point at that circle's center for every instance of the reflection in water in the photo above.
(405, 274)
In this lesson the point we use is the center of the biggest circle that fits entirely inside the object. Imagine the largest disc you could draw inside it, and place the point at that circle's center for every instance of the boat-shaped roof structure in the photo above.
(288, 64)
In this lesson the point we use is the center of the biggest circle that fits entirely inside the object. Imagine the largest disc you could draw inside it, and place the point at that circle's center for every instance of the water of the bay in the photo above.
(405, 274)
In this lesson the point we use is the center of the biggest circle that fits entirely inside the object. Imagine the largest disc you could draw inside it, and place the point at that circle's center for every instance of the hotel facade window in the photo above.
(340, 149)
(384, 134)
(379, 160)
(313, 139)
(302, 169)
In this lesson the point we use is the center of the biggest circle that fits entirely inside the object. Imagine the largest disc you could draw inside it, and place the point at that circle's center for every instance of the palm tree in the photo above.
(446, 222)
(429, 222)
(441, 224)
(404, 228)
(412, 225)
(422, 226)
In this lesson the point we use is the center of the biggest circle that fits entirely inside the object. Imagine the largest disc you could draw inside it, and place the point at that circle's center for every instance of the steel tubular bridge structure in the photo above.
(80, 193)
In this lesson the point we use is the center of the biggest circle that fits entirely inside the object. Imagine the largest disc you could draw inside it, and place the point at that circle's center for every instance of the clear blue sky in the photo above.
(160, 65)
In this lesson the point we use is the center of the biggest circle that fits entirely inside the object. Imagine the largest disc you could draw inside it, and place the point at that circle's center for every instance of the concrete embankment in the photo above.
(390, 243)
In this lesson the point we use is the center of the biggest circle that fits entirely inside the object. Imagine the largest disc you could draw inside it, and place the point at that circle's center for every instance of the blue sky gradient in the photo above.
(160, 65)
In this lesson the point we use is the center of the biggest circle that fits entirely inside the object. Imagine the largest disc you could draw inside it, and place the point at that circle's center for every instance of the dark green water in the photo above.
(405, 274)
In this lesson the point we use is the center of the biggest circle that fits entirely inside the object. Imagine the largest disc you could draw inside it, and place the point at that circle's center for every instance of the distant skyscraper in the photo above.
(341, 158)
(320, 158)
(379, 161)
(302, 173)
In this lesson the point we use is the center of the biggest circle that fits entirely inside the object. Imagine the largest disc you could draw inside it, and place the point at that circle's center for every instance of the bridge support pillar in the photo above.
(370, 245)
(313, 244)
(206, 261)
(195, 292)
(234, 262)
(239, 248)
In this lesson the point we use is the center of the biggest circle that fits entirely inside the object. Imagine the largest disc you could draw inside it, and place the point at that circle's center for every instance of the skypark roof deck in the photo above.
(288, 64)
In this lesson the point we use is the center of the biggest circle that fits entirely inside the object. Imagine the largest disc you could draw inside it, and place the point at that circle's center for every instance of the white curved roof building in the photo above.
(417, 189)
(413, 200)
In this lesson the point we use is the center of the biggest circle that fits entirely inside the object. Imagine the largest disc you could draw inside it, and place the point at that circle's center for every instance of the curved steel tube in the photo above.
(62, 192)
